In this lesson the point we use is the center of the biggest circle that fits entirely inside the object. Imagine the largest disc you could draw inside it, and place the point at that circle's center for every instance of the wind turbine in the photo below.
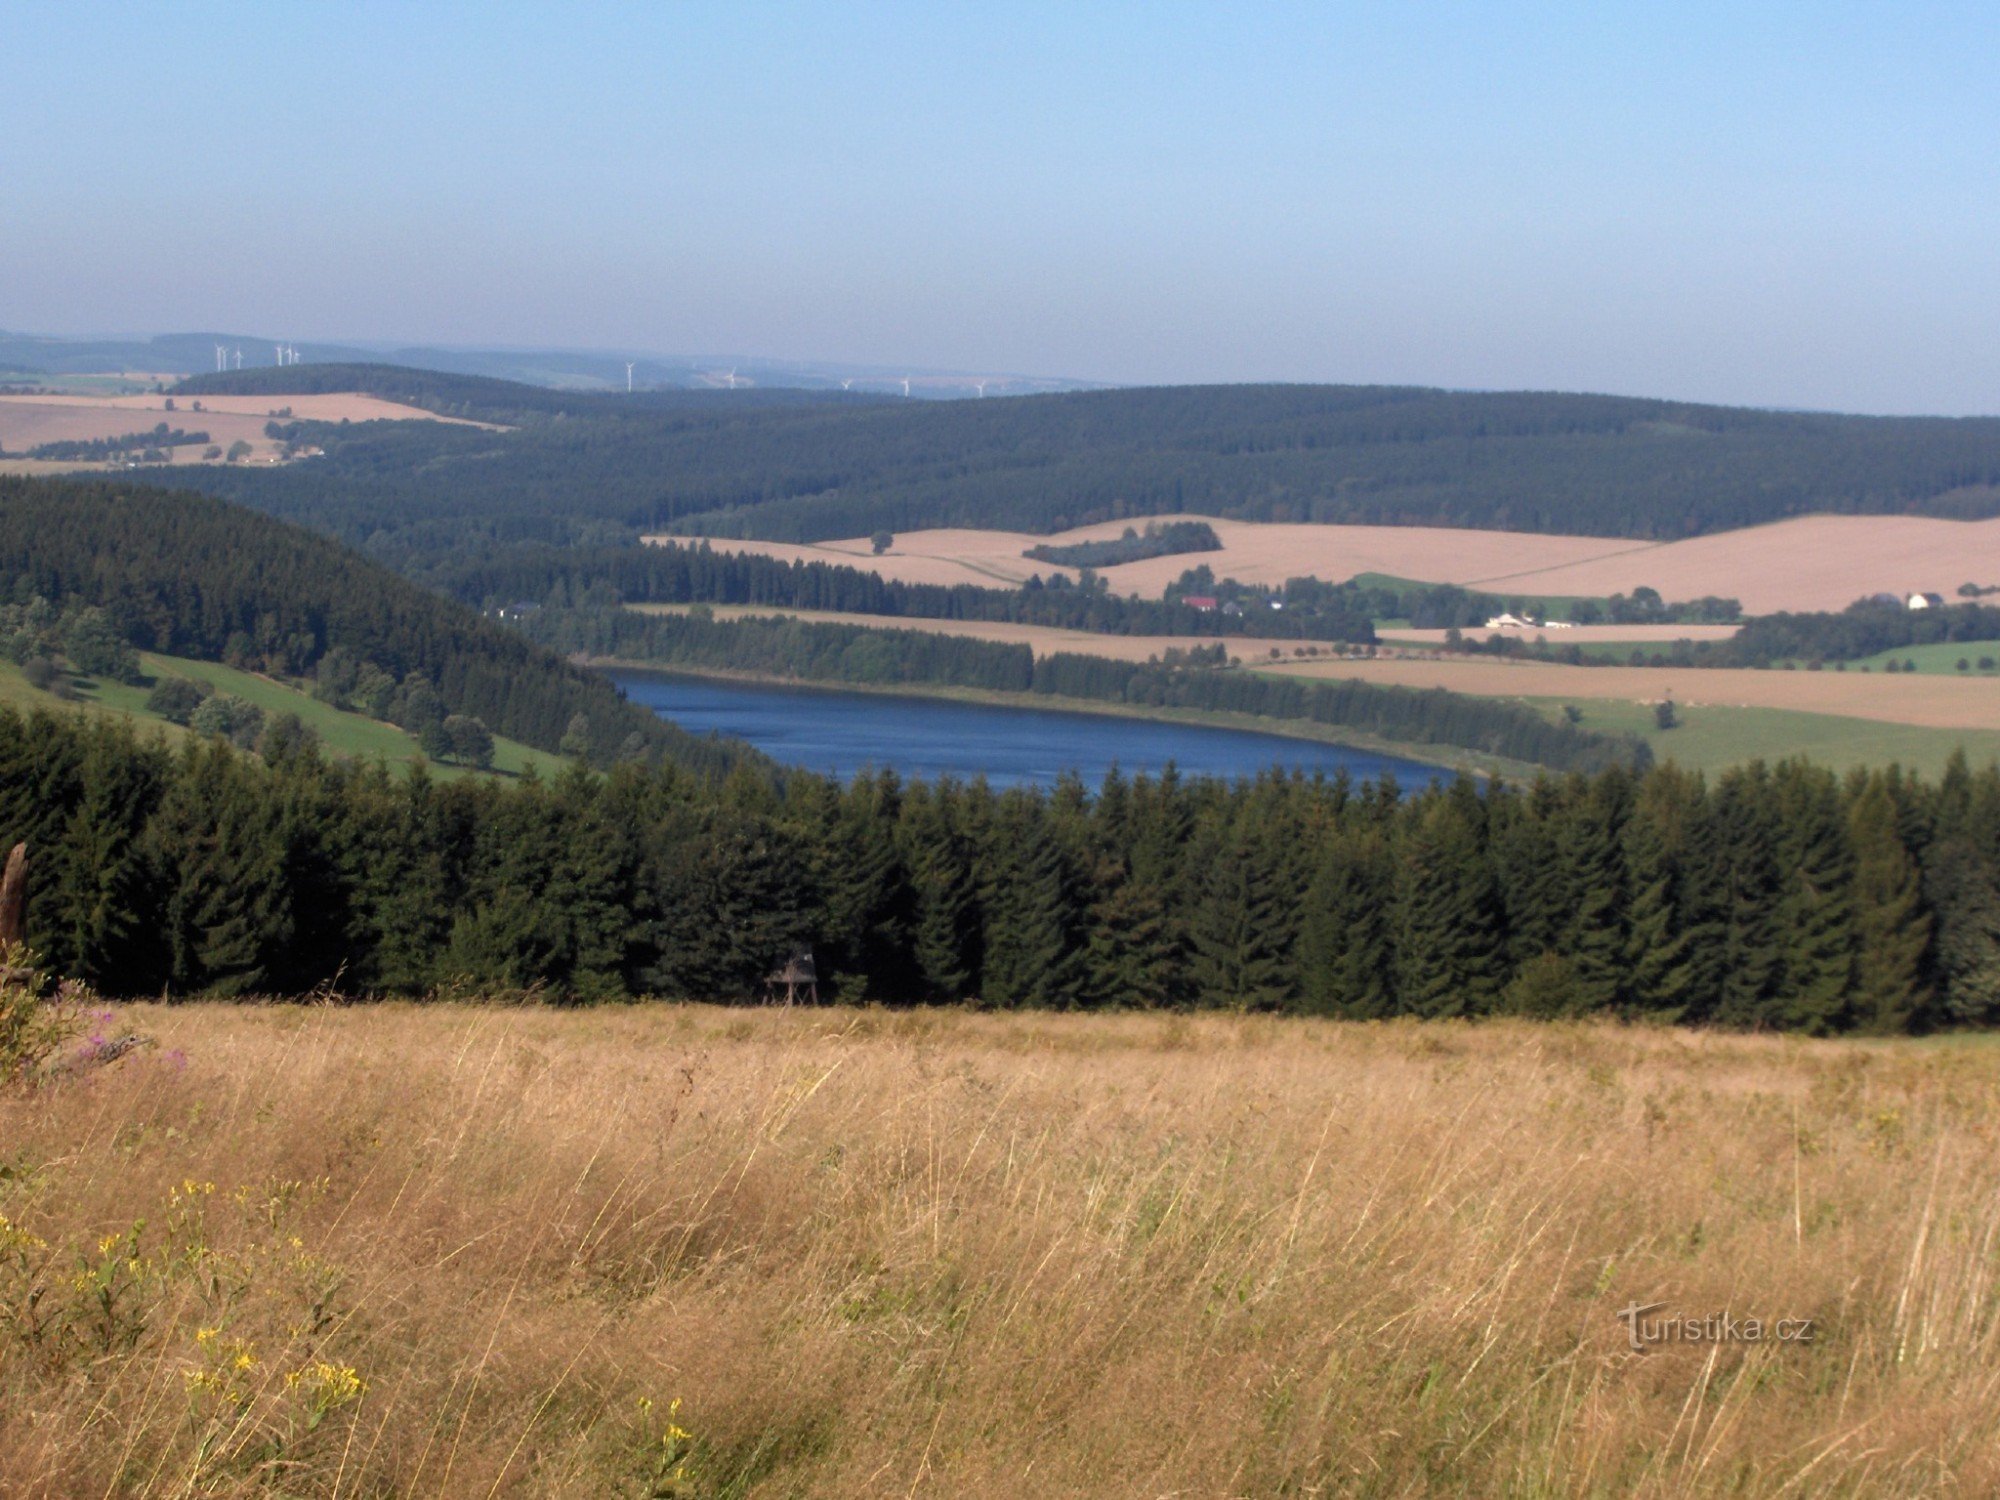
(628, 377)
(980, 386)
(732, 380)
(239, 359)
(847, 384)
(277, 354)
(906, 385)
(221, 358)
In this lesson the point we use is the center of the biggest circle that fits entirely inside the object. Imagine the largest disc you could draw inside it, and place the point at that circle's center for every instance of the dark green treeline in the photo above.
(1775, 897)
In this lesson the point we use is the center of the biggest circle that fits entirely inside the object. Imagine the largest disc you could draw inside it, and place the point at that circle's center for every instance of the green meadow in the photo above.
(351, 735)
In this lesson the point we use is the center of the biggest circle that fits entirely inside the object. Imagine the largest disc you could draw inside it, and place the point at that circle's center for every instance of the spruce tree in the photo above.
(1815, 914)
(1346, 963)
(1659, 977)
(1448, 948)
(1594, 934)
(1237, 932)
(1129, 956)
(1892, 930)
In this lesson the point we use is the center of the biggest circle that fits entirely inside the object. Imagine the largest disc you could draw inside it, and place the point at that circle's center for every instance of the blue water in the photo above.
(840, 733)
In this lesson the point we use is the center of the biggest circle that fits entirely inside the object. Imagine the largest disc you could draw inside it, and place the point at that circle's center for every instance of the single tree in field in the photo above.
(471, 741)
(882, 541)
(1665, 715)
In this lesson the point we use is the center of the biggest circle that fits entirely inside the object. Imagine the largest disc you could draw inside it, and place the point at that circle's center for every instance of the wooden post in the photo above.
(14, 900)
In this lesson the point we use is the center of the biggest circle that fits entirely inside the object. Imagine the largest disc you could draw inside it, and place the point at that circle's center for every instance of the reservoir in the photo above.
(840, 733)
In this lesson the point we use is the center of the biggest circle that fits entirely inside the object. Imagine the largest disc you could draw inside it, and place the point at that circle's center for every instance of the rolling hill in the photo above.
(189, 576)
(798, 466)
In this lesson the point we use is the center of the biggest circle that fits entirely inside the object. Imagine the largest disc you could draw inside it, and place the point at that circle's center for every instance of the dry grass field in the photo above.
(483, 1251)
(26, 421)
(1810, 563)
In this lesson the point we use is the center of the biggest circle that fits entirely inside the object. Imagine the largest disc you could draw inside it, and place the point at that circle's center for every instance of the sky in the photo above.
(1770, 204)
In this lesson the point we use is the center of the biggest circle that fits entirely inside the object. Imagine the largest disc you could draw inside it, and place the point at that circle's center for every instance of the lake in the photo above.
(840, 733)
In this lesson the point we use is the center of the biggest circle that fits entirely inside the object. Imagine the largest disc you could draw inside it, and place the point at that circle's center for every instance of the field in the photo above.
(1047, 640)
(26, 421)
(1942, 657)
(1809, 563)
(1927, 701)
(1713, 738)
(484, 1251)
(349, 734)
(1934, 701)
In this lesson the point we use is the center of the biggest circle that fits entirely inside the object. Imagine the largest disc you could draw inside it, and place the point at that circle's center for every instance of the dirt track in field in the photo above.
(1809, 563)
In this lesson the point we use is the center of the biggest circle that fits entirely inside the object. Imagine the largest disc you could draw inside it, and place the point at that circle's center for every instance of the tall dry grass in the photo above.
(463, 1251)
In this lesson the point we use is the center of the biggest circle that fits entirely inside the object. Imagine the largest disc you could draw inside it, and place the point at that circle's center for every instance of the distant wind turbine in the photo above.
(239, 359)
(980, 386)
(221, 358)
(906, 385)
(847, 384)
(628, 377)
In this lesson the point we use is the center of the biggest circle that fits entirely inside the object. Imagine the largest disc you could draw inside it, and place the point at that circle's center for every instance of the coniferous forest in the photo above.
(1774, 897)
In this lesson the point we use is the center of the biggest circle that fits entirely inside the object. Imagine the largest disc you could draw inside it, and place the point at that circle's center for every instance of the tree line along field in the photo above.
(491, 1251)
(1775, 897)
(1806, 563)
(1725, 717)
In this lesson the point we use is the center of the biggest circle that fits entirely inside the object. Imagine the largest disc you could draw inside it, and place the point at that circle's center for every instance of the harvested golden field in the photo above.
(26, 421)
(1047, 640)
(1810, 563)
(1932, 700)
(483, 1251)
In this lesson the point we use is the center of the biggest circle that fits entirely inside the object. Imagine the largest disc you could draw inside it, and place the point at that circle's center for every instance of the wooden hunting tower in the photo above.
(798, 972)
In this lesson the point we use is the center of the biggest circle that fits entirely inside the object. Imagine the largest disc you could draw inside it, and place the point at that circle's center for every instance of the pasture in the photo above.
(475, 1250)
(341, 732)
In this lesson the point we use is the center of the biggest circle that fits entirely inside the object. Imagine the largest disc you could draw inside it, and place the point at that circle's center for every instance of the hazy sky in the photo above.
(1781, 204)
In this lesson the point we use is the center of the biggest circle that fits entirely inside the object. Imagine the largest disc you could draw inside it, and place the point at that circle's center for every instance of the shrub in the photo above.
(33, 1029)
(176, 698)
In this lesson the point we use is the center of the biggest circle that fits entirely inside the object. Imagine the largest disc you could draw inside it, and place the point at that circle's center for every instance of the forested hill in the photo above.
(191, 576)
(795, 466)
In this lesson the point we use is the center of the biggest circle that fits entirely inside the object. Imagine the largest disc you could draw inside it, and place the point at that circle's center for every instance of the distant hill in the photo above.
(799, 466)
(190, 576)
(559, 369)
(481, 397)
